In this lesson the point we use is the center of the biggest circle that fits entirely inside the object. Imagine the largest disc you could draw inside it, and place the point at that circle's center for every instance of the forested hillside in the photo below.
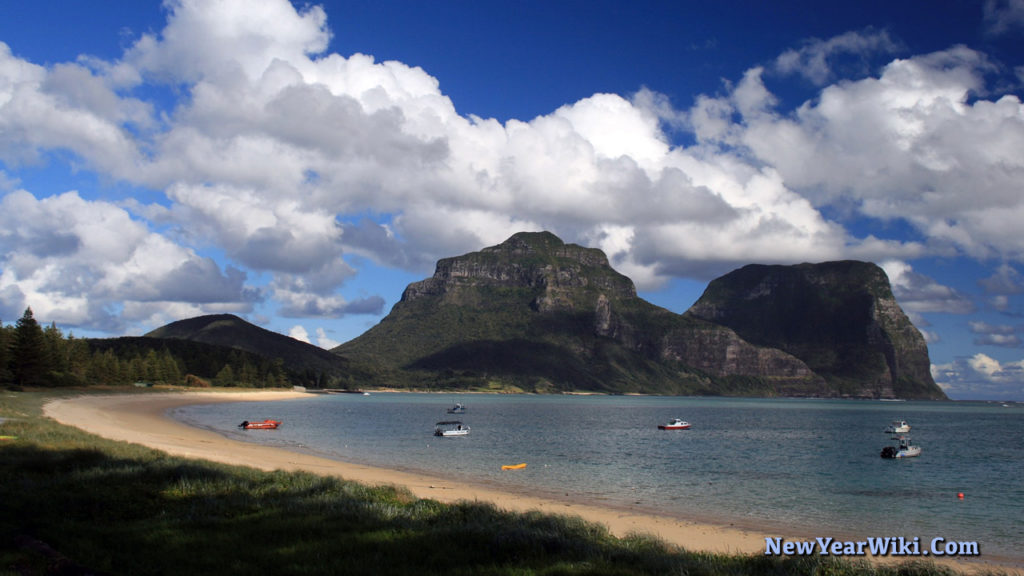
(31, 355)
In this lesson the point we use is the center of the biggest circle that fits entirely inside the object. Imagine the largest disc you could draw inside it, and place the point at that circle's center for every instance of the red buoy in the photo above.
(960, 495)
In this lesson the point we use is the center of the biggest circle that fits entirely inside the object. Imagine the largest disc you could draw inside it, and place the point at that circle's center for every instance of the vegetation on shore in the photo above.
(31, 355)
(74, 503)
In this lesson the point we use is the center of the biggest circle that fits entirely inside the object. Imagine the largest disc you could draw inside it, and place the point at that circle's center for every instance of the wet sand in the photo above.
(143, 419)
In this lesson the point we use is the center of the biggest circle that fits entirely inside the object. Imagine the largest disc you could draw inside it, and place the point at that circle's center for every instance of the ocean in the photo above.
(779, 466)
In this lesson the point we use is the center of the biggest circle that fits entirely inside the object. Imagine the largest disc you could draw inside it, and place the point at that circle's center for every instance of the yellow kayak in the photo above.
(513, 466)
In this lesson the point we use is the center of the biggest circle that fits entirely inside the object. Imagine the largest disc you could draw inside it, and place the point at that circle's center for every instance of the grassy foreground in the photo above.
(74, 503)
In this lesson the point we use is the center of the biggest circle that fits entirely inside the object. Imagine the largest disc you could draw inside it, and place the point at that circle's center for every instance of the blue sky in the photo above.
(298, 164)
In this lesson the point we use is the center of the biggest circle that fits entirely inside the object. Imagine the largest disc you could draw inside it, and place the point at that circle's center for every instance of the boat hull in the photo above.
(265, 425)
(891, 452)
(898, 427)
(451, 428)
(909, 453)
(670, 427)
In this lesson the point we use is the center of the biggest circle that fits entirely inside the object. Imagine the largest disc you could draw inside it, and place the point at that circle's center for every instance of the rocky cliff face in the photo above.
(564, 276)
(840, 318)
(549, 315)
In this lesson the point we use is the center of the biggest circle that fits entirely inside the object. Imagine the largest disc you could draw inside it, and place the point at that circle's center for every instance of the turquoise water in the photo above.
(809, 467)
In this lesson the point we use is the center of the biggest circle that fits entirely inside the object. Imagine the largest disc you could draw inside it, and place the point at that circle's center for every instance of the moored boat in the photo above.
(898, 427)
(450, 428)
(267, 424)
(675, 424)
(903, 449)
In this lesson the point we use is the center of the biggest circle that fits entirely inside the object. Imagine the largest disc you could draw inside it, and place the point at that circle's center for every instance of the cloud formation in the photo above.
(981, 377)
(995, 335)
(285, 158)
(817, 59)
(1002, 16)
(76, 261)
(918, 293)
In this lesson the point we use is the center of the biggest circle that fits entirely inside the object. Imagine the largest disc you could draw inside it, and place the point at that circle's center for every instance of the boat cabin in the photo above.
(450, 428)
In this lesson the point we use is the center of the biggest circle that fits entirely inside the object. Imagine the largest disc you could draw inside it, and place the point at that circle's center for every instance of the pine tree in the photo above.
(56, 348)
(226, 376)
(78, 357)
(170, 372)
(30, 352)
(247, 375)
(151, 367)
(6, 353)
(136, 369)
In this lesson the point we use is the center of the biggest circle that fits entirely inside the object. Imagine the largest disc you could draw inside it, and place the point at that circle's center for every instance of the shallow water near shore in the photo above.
(776, 465)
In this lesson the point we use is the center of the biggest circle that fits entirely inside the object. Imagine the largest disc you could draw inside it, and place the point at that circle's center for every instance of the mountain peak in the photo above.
(538, 241)
(192, 328)
(543, 247)
(527, 260)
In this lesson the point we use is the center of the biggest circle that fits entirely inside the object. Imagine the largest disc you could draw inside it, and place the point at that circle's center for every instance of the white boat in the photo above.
(675, 424)
(898, 427)
(904, 449)
(450, 428)
(457, 409)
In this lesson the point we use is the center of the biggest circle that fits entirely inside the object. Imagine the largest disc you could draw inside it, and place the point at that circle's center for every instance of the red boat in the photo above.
(265, 425)
(675, 424)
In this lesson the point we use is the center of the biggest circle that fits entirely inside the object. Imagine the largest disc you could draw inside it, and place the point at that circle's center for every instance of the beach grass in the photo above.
(75, 503)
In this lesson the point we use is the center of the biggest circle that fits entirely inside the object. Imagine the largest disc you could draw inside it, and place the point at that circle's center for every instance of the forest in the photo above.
(33, 355)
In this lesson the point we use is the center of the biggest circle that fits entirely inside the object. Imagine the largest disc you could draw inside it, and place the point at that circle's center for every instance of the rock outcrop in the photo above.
(538, 314)
(840, 318)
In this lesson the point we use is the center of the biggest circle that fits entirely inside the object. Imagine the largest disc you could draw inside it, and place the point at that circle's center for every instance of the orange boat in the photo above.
(267, 424)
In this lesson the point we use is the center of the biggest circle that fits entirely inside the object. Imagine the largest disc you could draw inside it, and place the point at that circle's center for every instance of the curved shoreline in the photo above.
(144, 419)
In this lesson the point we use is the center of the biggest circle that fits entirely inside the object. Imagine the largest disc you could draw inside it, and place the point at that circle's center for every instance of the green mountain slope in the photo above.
(515, 315)
(538, 314)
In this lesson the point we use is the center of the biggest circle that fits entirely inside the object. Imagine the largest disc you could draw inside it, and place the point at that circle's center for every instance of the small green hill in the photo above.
(229, 331)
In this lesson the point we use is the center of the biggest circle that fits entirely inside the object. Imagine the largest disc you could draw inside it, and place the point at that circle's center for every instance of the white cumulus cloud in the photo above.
(287, 158)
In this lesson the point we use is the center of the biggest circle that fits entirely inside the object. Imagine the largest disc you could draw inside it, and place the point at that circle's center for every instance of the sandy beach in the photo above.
(143, 419)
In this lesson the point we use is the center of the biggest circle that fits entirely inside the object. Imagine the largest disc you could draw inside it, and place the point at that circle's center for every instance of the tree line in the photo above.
(31, 355)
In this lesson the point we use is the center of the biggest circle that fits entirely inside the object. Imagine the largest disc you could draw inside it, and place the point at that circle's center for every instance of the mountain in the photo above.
(531, 313)
(227, 330)
(537, 314)
(839, 318)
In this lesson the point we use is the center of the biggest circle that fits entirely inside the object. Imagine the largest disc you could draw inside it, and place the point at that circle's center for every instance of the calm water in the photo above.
(779, 465)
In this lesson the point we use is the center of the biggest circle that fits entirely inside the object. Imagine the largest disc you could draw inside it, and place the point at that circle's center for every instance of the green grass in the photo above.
(74, 503)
